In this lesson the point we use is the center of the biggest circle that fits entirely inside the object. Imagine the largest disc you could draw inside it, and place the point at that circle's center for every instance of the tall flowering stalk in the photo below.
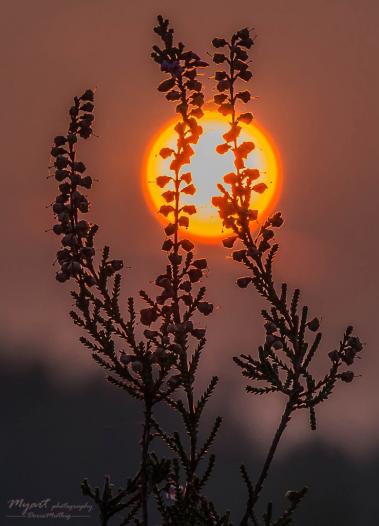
(158, 365)
(283, 362)
(98, 312)
(180, 302)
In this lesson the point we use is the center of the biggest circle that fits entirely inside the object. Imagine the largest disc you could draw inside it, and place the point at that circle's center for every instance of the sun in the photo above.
(207, 168)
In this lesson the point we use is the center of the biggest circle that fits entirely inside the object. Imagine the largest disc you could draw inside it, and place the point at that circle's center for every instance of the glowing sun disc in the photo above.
(208, 168)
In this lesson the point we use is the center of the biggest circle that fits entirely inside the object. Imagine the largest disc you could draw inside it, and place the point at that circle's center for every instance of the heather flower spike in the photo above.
(160, 362)
(178, 300)
(282, 363)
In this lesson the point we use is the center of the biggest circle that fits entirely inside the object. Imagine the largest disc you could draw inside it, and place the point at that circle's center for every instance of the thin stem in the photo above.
(144, 464)
(286, 417)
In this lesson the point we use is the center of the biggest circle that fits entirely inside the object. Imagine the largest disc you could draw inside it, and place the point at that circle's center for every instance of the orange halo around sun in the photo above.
(208, 168)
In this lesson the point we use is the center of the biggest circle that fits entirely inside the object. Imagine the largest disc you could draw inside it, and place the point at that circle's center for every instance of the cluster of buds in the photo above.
(182, 85)
(176, 284)
(283, 361)
(77, 235)
(251, 255)
(169, 314)
(347, 353)
(237, 193)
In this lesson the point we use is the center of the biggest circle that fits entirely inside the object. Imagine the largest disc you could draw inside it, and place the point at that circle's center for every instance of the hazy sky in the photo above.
(317, 80)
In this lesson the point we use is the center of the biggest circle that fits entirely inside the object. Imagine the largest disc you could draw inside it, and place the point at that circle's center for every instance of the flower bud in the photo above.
(88, 106)
(61, 162)
(83, 206)
(76, 196)
(267, 234)
(219, 42)
(253, 252)
(148, 316)
(62, 277)
(58, 229)
(277, 220)
(187, 299)
(58, 208)
(117, 264)
(195, 275)
(79, 167)
(334, 356)
(75, 179)
(167, 245)
(238, 255)
(74, 268)
(205, 308)
(170, 229)
(88, 95)
(314, 325)
(64, 216)
(200, 264)
(355, 343)
(347, 376)
(219, 58)
(243, 282)
(349, 356)
(187, 245)
(64, 188)
(82, 226)
(175, 258)
(63, 255)
(60, 140)
(229, 242)
(70, 240)
(86, 182)
(55, 151)
(163, 281)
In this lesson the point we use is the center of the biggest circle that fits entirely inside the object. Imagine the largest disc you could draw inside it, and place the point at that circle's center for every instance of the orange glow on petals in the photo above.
(208, 168)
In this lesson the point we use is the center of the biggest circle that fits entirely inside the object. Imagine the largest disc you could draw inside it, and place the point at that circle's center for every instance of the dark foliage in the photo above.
(283, 362)
(153, 352)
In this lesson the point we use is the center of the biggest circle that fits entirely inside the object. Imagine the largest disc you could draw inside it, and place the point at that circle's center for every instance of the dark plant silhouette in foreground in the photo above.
(283, 362)
(159, 365)
(153, 352)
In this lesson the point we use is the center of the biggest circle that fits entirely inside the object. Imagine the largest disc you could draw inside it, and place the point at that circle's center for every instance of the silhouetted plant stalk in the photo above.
(157, 366)
(182, 86)
(97, 300)
(283, 362)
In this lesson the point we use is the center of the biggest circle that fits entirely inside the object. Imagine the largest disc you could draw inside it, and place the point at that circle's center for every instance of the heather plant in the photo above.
(151, 349)
(159, 365)
(283, 363)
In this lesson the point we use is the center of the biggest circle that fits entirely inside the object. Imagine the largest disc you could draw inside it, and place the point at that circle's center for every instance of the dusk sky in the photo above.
(317, 83)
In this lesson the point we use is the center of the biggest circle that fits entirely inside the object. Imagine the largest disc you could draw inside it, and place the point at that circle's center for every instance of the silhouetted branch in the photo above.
(283, 361)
